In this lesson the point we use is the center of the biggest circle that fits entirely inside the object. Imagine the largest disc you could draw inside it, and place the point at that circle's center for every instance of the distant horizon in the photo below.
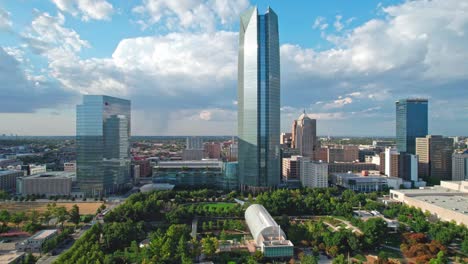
(181, 136)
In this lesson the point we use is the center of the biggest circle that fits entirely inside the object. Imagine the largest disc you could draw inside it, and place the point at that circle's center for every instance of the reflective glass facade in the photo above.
(259, 99)
(411, 122)
(102, 140)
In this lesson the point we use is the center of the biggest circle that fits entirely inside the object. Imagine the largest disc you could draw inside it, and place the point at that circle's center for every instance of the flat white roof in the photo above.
(44, 234)
(455, 203)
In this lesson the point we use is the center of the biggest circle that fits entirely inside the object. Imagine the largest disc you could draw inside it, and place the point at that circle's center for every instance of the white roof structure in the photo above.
(262, 226)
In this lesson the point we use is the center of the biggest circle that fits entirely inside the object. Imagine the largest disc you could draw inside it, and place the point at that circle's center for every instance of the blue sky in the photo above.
(345, 62)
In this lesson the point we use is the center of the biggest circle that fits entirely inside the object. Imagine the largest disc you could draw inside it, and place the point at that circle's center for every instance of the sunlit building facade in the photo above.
(259, 100)
(102, 140)
(411, 122)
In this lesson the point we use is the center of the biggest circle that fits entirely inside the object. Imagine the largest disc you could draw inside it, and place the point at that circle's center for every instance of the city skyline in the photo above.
(345, 64)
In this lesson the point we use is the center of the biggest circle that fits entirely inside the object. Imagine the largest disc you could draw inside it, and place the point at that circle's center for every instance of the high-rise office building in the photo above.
(259, 100)
(391, 162)
(435, 157)
(411, 122)
(460, 166)
(291, 168)
(194, 149)
(408, 167)
(102, 144)
(194, 143)
(305, 136)
(293, 132)
(313, 174)
(286, 140)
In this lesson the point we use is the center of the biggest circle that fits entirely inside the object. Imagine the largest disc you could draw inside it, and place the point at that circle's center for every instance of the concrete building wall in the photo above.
(46, 185)
(459, 166)
(313, 174)
(8, 179)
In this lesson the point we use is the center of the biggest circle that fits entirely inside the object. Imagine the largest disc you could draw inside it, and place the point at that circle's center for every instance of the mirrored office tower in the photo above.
(411, 122)
(259, 100)
(102, 143)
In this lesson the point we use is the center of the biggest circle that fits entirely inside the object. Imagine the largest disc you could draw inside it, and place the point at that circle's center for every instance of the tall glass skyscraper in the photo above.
(259, 100)
(102, 141)
(411, 122)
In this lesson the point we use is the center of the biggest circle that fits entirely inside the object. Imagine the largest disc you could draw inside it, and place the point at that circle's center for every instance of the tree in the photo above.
(223, 235)
(441, 259)
(374, 231)
(61, 214)
(464, 245)
(383, 257)
(4, 217)
(17, 218)
(29, 259)
(75, 214)
(258, 256)
(340, 259)
(209, 246)
(181, 250)
(308, 259)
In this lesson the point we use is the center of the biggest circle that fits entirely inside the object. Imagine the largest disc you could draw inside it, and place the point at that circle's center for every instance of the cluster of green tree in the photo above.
(4, 195)
(34, 220)
(117, 243)
(444, 232)
(328, 201)
(85, 250)
(182, 213)
(226, 224)
(30, 221)
(322, 238)
(418, 247)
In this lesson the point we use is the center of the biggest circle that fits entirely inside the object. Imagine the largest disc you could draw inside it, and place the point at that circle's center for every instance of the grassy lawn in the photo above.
(390, 253)
(393, 240)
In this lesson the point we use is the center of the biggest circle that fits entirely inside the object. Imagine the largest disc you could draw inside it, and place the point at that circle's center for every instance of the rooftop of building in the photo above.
(190, 163)
(264, 228)
(359, 175)
(53, 174)
(44, 234)
(413, 100)
(456, 203)
(5, 172)
(447, 188)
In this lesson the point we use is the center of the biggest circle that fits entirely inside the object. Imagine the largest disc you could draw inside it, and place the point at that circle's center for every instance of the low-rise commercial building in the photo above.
(69, 167)
(268, 235)
(34, 243)
(189, 173)
(52, 183)
(364, 182)
(339, 167)
(8, 179)
(32, 169)
(447, 201)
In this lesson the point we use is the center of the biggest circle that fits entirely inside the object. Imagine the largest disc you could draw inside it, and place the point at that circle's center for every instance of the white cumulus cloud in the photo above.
(86, 9)
(5, 20)
(189, 14)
